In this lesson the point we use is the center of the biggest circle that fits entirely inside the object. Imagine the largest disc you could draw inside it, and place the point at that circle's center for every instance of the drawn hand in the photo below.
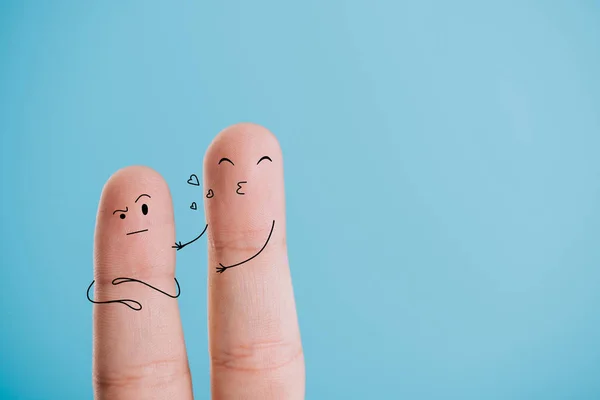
(221, 269)
(254, 341)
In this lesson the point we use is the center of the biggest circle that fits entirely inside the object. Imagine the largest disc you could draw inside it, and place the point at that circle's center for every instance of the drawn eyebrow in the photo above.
(264, 158)
(125, 210)
(226, 159)
(143, 194)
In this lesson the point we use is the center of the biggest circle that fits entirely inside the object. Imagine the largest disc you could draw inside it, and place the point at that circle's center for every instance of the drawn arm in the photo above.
(222, 267)
(179, 245)
(134, 305)
(128, 302)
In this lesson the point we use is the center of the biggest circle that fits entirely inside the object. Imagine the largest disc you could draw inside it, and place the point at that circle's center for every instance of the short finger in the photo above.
(255, 345)
(139, 349)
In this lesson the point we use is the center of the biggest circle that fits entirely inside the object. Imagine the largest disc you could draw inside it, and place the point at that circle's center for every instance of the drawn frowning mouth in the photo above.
(133, 233)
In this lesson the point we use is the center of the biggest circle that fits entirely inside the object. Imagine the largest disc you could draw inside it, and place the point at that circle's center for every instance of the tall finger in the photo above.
(255, 345)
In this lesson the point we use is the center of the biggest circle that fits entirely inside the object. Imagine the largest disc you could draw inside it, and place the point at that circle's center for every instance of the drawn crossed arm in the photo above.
(133, 304)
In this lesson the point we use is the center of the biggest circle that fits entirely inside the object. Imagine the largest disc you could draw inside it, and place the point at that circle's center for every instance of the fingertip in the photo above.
(243, 179)
(135, 175)
(240, 138)
(134, 222)
(136, 319)
(251, 301)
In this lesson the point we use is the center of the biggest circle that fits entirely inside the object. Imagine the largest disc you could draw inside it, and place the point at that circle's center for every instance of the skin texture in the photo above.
(254, 338)
(255, 345)
(137, 355)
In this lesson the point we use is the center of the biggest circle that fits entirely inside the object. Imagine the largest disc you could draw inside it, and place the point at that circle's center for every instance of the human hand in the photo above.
(254, 338)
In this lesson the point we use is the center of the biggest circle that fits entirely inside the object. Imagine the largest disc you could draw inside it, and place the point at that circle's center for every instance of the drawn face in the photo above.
(239, 190)
(135, 217)
(242, 176)
(143, 209)
(133, 237)
(243, 179)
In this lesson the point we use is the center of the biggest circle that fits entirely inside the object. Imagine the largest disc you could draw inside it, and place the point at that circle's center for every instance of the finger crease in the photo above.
(257, 357)
(154, 374)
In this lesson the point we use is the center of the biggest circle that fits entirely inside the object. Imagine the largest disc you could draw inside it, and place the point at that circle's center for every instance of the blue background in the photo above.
(442, 175)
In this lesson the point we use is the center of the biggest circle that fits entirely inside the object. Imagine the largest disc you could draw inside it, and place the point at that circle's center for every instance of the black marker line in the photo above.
(122, 301)
(125, 280)
(193, 180)
(126, 301)
(180, 246)
(133, 233)
(264, 158)
(143, 194)
(226, 159)
(240, 187)
(222, 268)
(125, 210)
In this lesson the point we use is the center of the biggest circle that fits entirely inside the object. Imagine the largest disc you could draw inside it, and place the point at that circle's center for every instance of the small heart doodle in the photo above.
(193, 206)
(193, 180)
(210, 194)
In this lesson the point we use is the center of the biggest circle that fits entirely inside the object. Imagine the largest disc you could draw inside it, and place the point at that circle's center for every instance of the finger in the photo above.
(137, 354)
(255, 346)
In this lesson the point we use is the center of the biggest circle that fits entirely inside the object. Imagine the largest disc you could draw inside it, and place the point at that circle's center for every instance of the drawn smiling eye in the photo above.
(226, 159)
(264, 158)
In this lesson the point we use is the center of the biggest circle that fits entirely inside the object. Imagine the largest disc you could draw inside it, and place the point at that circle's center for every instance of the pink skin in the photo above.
(254, 338)
(137, 355)
(255, 346)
